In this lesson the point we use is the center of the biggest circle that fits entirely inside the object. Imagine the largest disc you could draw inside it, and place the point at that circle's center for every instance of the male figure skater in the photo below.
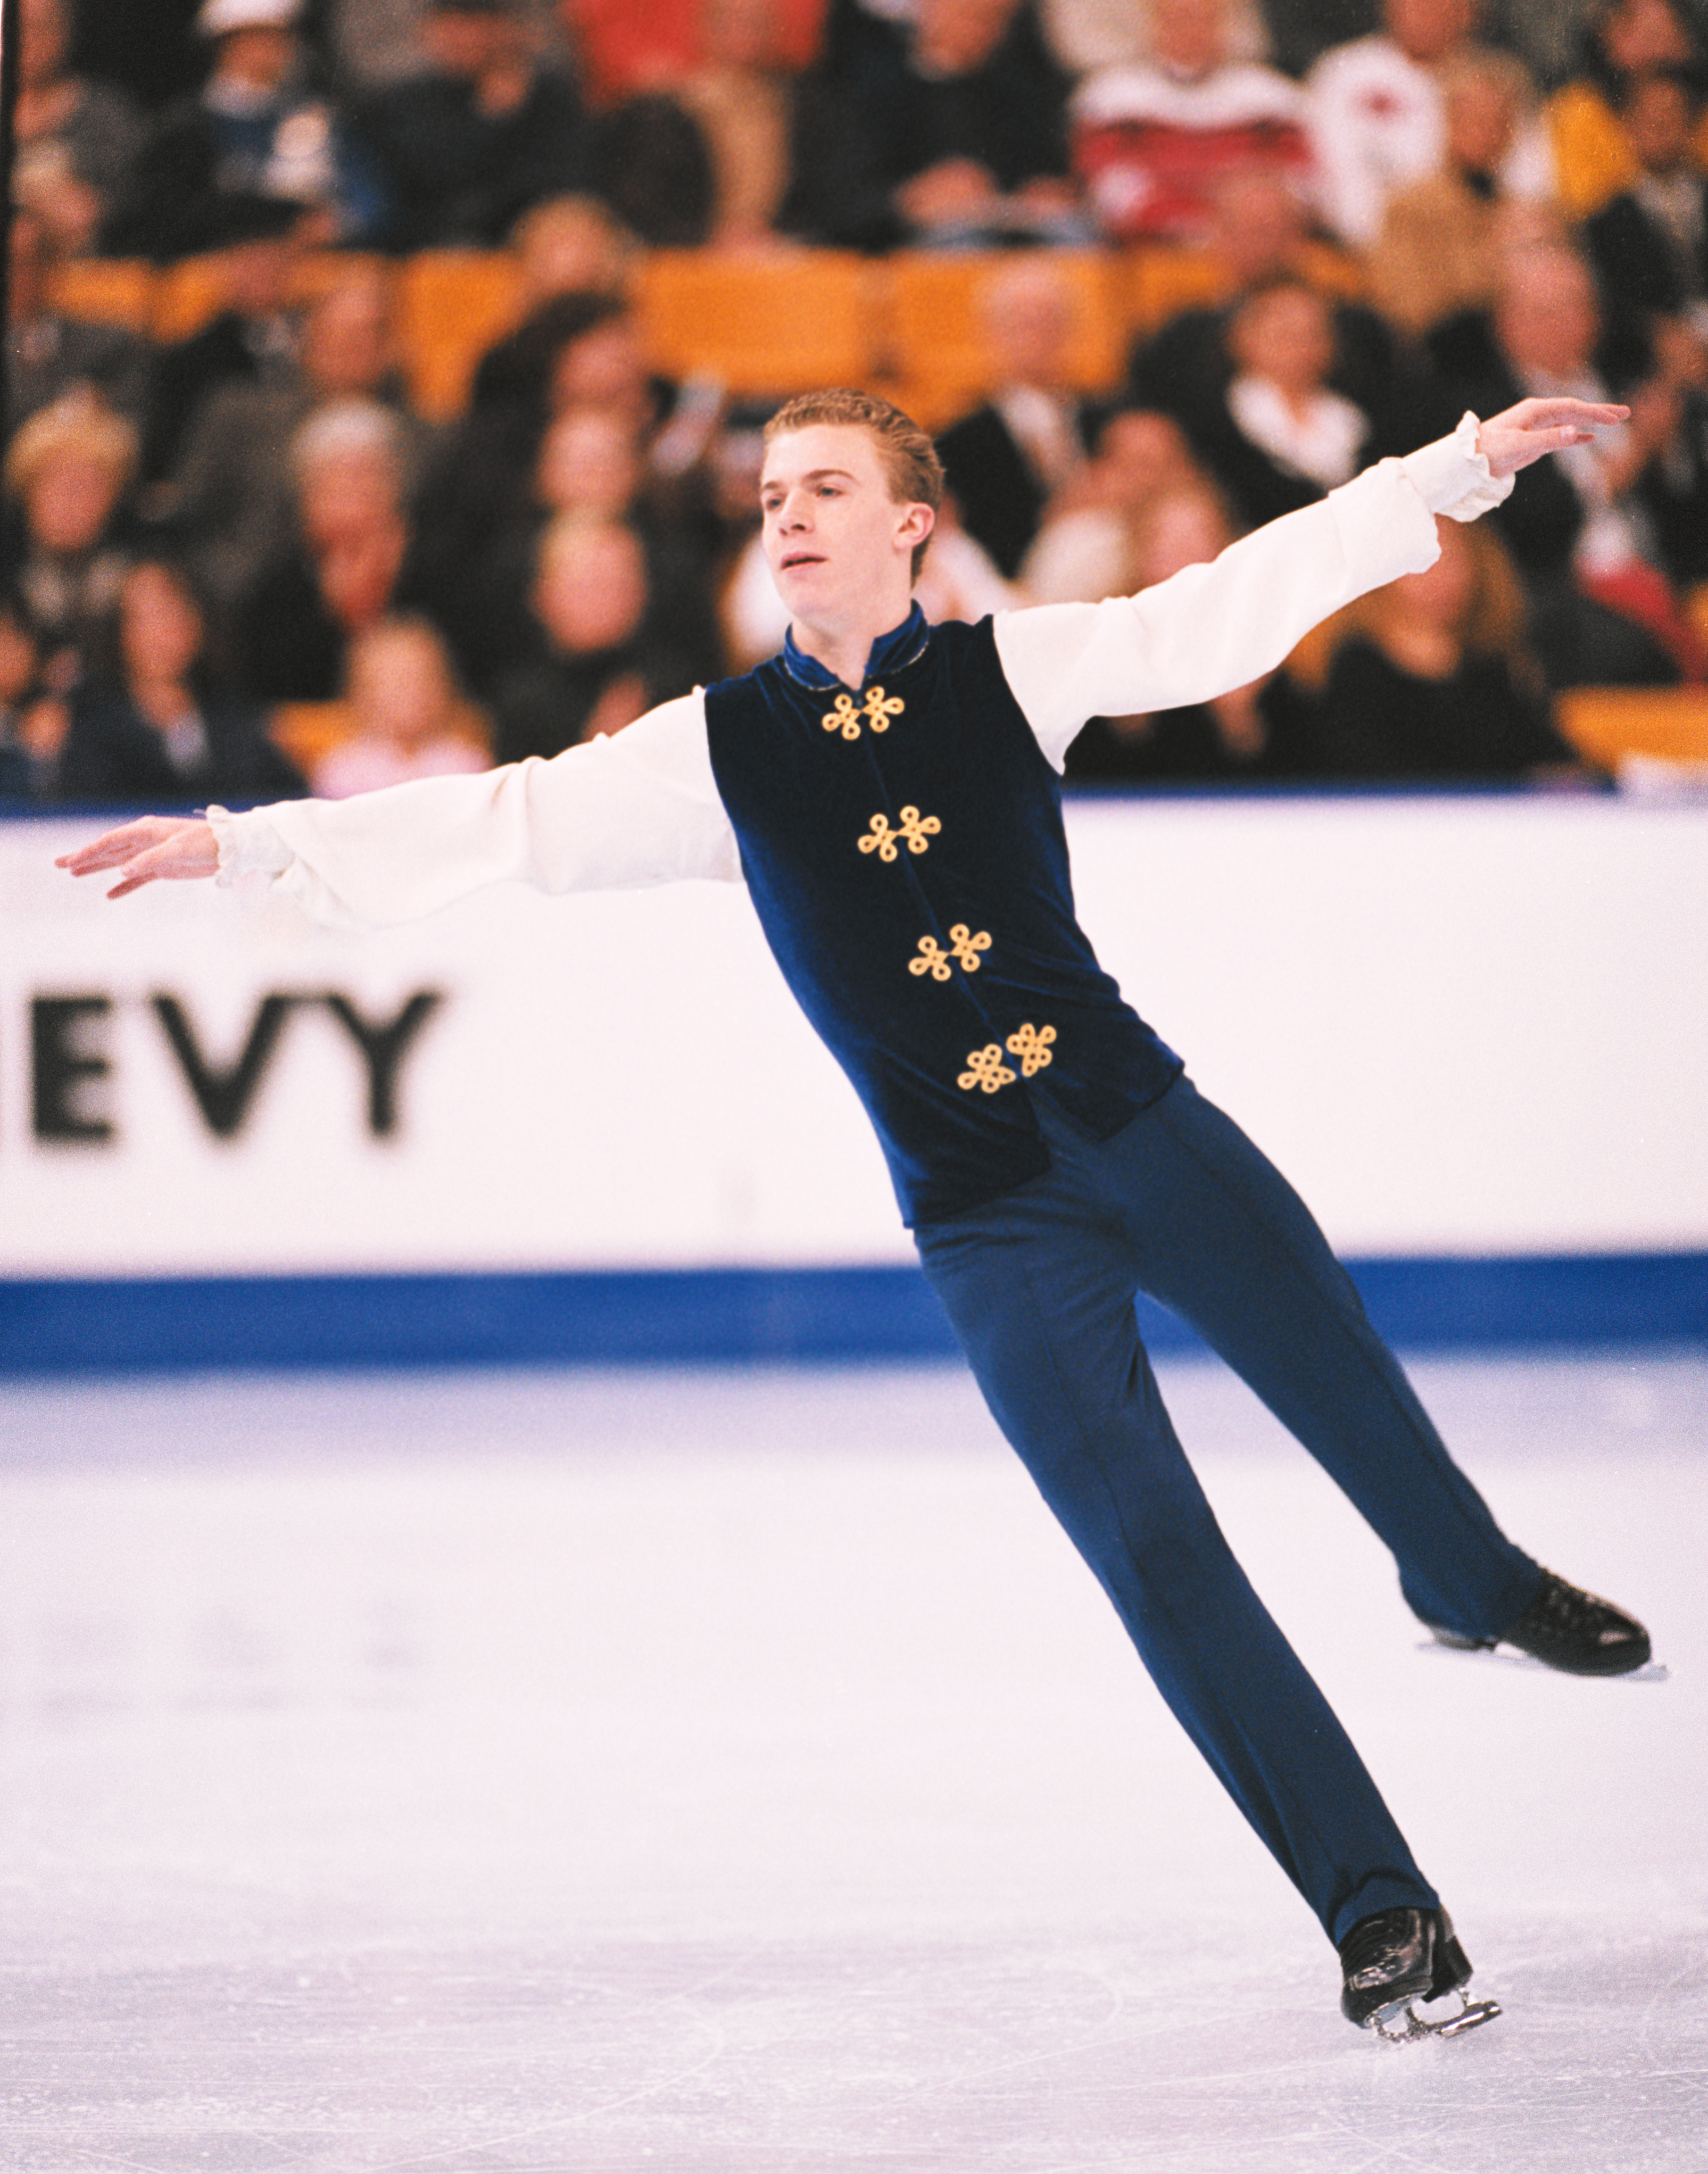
(888, 789)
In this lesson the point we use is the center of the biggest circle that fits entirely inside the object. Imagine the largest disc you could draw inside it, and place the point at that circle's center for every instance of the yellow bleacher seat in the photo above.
(452, 306)
(1156, 284)
(187, 295)
(308, 731)
(190, 294)
(938, 351)
(1605, 723)
(112, 290)
(760, 324)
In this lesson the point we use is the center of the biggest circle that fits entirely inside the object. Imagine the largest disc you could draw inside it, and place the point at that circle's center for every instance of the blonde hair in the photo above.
(581, 218)
(78, 425)
(909, 457)
(1494, 622)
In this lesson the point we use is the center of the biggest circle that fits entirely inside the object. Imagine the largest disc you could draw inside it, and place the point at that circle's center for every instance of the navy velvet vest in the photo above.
(905, 853)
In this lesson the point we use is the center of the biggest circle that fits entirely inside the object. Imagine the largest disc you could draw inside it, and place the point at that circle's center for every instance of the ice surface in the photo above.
(726, 1774)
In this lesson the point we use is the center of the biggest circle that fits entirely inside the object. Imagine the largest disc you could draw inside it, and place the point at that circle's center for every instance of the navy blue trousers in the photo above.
(1039, 1286)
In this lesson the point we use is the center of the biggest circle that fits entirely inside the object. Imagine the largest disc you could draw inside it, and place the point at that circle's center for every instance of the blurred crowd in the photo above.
(241, 564)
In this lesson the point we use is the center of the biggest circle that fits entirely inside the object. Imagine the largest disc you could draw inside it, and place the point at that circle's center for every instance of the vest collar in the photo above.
(903, 645)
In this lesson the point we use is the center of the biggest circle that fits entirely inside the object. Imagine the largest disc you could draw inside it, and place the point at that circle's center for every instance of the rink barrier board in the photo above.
(747, 1317)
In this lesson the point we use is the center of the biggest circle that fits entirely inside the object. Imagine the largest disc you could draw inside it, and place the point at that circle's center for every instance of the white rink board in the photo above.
(1471, 1025)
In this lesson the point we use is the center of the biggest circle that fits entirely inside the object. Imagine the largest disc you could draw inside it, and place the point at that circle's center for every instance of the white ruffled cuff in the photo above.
(1451, 476)
(248, 845)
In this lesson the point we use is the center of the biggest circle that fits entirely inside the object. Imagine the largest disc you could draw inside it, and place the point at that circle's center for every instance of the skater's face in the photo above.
(837, 539)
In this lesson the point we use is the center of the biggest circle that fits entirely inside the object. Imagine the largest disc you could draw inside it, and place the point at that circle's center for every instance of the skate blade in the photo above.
(1652, 1671)
(1405, 2026)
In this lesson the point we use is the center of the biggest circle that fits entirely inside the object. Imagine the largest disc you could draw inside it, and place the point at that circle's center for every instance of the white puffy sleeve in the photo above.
(1211, 628)
(641, 808)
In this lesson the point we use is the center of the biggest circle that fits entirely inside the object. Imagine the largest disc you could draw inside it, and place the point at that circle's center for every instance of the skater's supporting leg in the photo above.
(1042, 1298)
(1224, 1241)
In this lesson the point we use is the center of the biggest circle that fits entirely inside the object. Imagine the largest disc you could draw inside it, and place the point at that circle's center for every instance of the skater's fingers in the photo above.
(153, 850)
(152, 867)
(1533, 429)
(112, 848)
(1583, 415)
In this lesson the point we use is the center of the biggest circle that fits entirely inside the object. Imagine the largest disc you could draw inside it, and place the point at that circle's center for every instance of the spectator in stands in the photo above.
(1284, 436)
(32, 722)
(591, 463)
(75, 141)
(156, 726)
(347, 568)
(1441, 234)
(409, 718)
(602, 658)
(259, 125)
(1250, 732)
(1603, 608)
(604, 367)
(576, 350)
(1673, 488)
(652, 164)
(68, 470)
(1649, 244)
(950, 134)
(1260, 235)
(1626, 40)
(253, 339)
(1087, 546)
(574, 268)
(1004, 461)
(232, 503)
(739, 90)
(1430, 678)
(50, 355)
(570, 244)
(1378, 120)
(486, 131)
(1152, 140)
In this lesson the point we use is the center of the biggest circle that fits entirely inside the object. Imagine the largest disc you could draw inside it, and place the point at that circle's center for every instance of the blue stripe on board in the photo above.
(737, 1315)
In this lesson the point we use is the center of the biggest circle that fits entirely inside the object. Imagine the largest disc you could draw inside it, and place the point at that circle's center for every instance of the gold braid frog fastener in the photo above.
(915, 831)
(843, 717)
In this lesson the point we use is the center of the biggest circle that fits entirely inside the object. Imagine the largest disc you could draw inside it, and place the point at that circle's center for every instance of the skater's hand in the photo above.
(170, 848)
(1513, 439)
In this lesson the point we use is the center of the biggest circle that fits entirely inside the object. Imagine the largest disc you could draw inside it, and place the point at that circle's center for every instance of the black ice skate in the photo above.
(1393, 1961)
(1564, 1628)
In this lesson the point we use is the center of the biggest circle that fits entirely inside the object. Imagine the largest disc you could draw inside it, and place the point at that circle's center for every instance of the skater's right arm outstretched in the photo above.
(616, 813)
(156, 849)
